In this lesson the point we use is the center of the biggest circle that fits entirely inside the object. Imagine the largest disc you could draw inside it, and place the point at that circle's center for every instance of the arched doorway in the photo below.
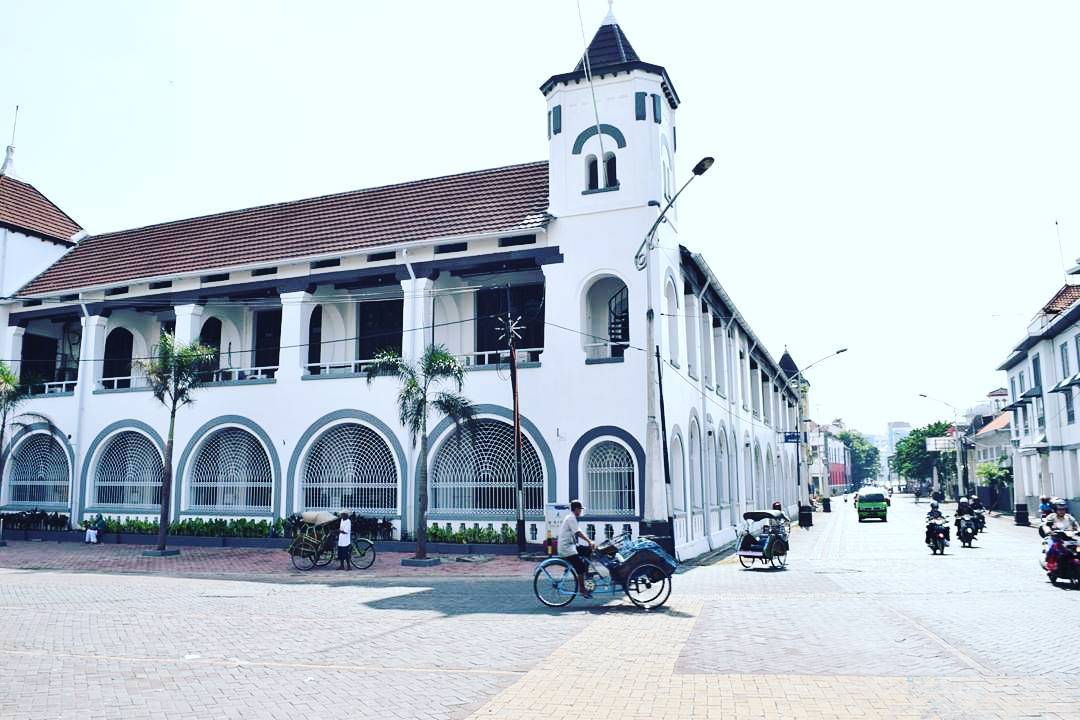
(116, 368)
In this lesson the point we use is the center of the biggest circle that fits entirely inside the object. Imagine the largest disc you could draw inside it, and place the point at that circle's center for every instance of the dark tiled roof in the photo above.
(609, 46)
(24, 208)
(1065, 297)
(503, 200)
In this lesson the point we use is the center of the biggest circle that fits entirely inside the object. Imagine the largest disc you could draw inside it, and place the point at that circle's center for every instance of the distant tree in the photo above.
(915, 463)
(174, 375)
(865, 457)
(993, 473)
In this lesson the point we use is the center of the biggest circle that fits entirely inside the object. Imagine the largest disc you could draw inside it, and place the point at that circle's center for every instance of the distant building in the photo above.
(830, 464)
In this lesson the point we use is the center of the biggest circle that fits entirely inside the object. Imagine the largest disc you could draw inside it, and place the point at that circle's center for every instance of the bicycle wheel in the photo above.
(303, 555)
(325, 555)
(363, 553)
(648, 587)
(779, 561)
(746, 562)
(555, 583)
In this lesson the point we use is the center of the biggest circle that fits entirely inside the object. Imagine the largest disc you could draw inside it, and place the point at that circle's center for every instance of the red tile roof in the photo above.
(24, 208)
(502, 200)
(1061, 302)
(1001, 422)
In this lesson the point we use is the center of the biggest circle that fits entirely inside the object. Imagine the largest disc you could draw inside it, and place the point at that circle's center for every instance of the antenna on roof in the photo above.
(1061, 252)
(7, 168)
(602, 163)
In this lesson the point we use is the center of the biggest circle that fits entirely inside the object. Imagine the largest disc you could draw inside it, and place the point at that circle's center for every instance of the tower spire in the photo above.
(610, 19)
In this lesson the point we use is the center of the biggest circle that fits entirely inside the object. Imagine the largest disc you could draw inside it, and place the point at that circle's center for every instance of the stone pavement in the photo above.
(863, 624)
(231, 562)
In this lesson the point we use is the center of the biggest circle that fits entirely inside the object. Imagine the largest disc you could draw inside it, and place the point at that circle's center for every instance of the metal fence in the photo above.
(129, 472)
(350, 467)
(475, 473)
(39, 472)
(231, 472)
(609, 479)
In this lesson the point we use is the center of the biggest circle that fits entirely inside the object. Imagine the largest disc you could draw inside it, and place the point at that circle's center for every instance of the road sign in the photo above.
(792, 437)
(940, 444)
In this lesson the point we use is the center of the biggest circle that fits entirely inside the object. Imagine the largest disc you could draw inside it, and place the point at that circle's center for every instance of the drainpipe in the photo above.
(701, 386)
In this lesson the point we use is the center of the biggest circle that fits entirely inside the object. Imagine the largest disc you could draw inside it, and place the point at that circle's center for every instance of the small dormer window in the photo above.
(592, 173)
(611, 175)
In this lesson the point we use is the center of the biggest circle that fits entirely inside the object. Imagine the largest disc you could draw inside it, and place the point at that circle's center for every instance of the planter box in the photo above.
(46, 535)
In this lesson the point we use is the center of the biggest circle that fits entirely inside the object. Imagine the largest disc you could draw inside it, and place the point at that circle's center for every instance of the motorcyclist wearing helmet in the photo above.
(975, 503)
(1059, 521)
(935, 514)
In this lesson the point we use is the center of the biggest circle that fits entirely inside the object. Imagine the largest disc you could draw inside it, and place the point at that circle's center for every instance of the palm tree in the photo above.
(174, 374)
(423, 389)
(12, 395)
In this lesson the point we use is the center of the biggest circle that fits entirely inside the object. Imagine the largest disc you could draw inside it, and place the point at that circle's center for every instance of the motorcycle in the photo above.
(966, 530)
(980, 520)
(1062, 562)
(938, 529)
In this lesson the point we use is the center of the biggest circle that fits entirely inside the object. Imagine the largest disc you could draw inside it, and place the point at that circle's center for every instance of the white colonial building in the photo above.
(1043, 373)
(297, 297)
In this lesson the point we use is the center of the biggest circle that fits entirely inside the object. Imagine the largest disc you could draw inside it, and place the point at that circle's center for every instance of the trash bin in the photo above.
(806, 516)
(826, 504)
(1021, 517)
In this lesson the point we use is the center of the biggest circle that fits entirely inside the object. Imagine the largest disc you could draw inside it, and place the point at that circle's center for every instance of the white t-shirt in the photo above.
(568, 536)
(345, 538)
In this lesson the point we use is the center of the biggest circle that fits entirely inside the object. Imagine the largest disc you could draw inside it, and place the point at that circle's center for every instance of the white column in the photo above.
(296, 310)
(13, 350)
(189, 319)
(415, 321)
(91, 354)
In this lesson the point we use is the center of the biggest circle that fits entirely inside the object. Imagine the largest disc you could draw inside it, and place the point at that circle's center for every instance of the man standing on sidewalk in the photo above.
(344, 542)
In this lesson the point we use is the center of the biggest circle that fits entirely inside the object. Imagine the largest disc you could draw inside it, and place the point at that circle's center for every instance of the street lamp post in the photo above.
(799, 421)
(655, 398)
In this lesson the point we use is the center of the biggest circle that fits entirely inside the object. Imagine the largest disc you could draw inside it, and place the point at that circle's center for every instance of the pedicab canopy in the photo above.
(320, 517)
(756, 515)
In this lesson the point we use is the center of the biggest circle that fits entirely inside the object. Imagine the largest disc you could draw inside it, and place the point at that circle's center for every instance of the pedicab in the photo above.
(769, 544)
(640, 568)
(315, 543)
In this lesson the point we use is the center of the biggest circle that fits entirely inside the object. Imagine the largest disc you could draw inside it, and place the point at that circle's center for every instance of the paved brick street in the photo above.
(864, 623)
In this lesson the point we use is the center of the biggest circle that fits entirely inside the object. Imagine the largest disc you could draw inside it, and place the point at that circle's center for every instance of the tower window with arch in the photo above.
(611, 171)
(210, 336)
(231, 472)
(129, 472)
(609, 479)
(40, 474)
(351, 466)
(671, 307)
(116, 368)
(314, 346)
(607, 319)
(475, 474)
(592, 173)
(695, 467)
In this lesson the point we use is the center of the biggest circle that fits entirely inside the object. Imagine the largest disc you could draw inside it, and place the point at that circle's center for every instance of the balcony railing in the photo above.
(499, 357)
(241, 375)
(605, 350)
(347, 367)
(61, 387)
(128, 382)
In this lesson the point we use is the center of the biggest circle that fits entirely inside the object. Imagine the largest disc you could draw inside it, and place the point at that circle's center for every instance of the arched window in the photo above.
(607, 319)
(210, 336)
(314, 348)
(475, 473)
(675, 459)
(712, 472)
(129, 472)
(231, 472)
(692, 350)
(39, 472)
(609, 479)
(116, 369)
(611, 175)
(695, 466)
(671, 307)
(351, 467)
(722, 489)
(592, 173)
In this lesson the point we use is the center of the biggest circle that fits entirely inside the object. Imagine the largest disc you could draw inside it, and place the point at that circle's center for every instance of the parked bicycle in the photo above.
(315, 543)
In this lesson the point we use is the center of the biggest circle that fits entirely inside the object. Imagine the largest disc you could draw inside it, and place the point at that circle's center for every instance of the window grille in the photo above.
(609, 479)
(231, 472)
(39, 471)
(351, 467)
(129, 471)
(475, 473)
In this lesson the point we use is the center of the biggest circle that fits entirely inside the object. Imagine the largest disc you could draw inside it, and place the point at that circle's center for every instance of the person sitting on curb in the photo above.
(569, 534)
(93, 527)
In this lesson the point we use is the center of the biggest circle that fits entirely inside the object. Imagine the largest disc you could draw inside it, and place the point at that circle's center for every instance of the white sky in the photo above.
(887, 176)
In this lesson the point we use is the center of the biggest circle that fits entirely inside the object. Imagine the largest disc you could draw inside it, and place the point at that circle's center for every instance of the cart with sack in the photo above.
(315, 543)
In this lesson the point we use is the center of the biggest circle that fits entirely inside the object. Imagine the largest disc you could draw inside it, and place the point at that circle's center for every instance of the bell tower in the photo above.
(611, 129)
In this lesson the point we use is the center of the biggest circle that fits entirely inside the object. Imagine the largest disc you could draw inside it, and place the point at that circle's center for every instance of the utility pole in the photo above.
(511, 333)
